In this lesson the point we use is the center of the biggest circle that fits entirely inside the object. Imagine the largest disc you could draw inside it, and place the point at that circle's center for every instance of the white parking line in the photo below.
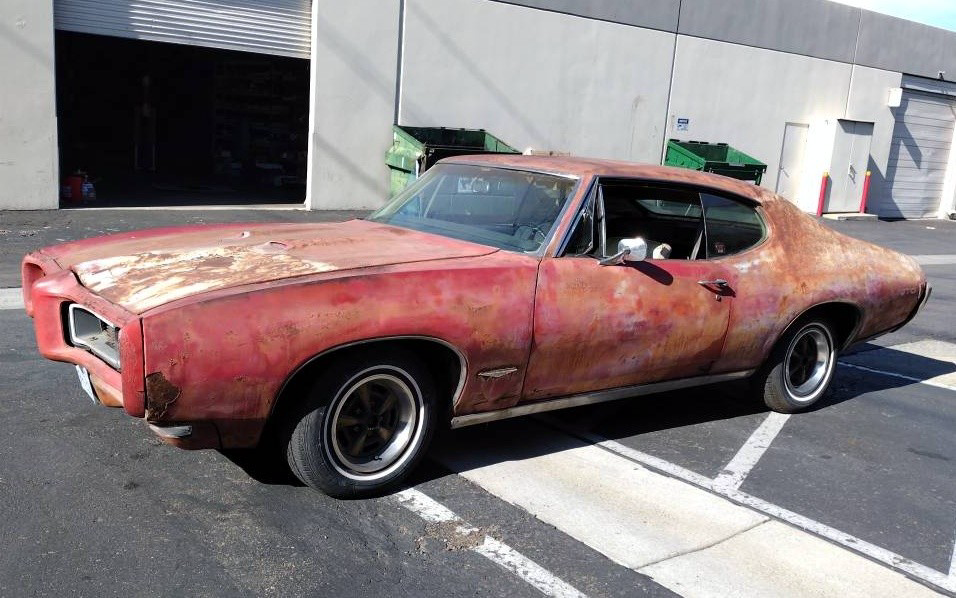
(932, 361)
(694, 542)
(935, 260)
(952, 565)
(494, 550)
(735, 472)
(947, 581)
(11, 298)
(895, 375)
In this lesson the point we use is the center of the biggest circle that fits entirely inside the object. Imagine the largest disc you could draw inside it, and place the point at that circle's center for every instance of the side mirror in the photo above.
(628, 250)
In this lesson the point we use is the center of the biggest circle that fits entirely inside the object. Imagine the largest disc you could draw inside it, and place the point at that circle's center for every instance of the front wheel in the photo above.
(800, 367)
(365, 426)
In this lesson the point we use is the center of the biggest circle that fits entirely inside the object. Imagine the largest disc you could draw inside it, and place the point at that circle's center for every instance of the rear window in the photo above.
(732, 227)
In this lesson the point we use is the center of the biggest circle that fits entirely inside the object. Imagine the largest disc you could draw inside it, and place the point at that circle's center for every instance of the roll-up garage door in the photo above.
(919, 155)
(277, 27)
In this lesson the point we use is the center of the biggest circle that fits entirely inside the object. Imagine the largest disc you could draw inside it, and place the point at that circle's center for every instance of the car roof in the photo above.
(582, 167)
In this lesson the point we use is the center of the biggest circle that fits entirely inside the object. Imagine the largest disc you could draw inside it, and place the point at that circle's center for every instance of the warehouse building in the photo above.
(290, 101)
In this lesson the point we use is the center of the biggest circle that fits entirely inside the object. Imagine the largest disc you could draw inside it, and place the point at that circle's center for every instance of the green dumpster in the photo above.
(416, 149)
(718, 158)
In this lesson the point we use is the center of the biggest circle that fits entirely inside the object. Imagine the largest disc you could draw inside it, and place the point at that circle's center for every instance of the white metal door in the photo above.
(792, 153)
(276, 27)
(919, 154)
(851, 156)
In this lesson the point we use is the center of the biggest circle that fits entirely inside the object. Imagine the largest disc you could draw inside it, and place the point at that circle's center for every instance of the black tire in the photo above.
(367, 422)
(800, 367)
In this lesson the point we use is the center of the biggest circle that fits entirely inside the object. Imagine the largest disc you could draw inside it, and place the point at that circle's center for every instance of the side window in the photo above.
(669, 219)
(732, 226)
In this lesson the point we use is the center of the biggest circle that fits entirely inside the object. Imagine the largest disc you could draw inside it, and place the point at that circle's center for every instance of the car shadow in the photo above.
(455, 451)
(540, 435)
(903, 363)
(535, 436)
(264, 466)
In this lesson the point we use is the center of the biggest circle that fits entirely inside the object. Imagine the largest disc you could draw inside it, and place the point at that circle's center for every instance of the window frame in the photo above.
(595, 195)
(419, 183)
(752, 205)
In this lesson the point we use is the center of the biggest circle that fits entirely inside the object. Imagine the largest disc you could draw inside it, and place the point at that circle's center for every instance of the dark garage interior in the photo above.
(160, 124)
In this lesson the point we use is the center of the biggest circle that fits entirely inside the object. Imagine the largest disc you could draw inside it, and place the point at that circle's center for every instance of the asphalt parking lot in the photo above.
(92, 504)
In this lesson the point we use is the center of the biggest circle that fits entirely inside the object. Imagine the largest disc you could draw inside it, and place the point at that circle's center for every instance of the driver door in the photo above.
(606, 326)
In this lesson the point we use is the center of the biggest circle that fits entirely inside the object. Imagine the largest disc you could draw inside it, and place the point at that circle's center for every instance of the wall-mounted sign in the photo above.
(683, 124)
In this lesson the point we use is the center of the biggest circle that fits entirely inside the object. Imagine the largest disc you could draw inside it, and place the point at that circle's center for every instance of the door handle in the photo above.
(718, 282)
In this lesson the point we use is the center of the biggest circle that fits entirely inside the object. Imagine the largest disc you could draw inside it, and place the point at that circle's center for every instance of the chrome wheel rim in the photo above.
(374, 423)
(809, 362)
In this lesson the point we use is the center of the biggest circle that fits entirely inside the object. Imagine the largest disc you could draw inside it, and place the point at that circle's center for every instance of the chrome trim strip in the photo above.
(175, 432)
(566, 237)
(925, 300)
(613, 394)
(74, 306)
(464, 161)
(113, 362)
(498, 373)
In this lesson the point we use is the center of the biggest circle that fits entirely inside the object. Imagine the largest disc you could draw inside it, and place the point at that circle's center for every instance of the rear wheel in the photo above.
(365, 426)
(800, 367)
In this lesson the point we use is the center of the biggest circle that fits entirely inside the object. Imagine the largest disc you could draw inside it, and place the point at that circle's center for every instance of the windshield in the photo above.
(507, 209)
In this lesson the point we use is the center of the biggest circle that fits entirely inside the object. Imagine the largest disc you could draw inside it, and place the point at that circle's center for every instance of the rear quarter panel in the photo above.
(803, 264)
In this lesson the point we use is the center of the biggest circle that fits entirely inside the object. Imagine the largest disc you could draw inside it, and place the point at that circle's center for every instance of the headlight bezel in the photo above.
(91, 332)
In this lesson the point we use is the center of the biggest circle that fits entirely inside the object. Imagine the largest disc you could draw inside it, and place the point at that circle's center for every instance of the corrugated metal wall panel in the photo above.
(919, 155)
(277, 27)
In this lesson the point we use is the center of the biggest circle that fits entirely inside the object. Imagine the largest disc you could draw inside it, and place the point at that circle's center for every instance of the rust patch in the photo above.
(222, 261)
(160, 394)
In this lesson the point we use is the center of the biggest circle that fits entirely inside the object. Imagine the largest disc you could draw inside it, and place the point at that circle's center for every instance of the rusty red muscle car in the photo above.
(494, 286)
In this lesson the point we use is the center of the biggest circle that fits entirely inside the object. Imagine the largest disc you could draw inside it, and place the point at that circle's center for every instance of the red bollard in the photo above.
(823, 192)
(866, 192)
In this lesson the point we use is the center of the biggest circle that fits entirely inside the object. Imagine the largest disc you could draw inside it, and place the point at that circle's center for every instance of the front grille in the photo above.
(89, 331)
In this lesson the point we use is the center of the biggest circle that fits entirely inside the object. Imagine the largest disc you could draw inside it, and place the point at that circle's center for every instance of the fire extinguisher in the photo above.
(77, 187)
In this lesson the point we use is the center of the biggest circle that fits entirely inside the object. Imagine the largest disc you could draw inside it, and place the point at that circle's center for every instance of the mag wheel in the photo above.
(365, 427)
(800, 368)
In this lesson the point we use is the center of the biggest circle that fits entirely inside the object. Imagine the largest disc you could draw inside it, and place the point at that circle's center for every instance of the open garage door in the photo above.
(276, 27)
(164, 124)
(919, 155)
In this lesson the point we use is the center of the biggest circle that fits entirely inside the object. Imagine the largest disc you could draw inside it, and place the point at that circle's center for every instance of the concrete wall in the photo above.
(744, 96)
(606, 79)
(592, 77)
(28, 148)
(869, 92)
(816, 28)
(652, 14)
(536, 79)
(354, 70)
(894, 44)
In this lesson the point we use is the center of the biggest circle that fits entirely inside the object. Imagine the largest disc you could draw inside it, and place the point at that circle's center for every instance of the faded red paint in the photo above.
(156, 269)
(481, 306)
(599, 327)
(215, 319)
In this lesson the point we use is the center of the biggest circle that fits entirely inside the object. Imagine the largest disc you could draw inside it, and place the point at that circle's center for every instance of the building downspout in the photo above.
(313, 83)
(670, 87)
(400, 62)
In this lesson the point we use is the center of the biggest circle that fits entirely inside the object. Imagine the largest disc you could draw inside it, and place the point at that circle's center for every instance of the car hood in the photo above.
(146, 269)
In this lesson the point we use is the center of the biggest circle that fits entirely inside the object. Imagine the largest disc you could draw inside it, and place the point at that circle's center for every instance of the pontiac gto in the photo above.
(493, 287)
